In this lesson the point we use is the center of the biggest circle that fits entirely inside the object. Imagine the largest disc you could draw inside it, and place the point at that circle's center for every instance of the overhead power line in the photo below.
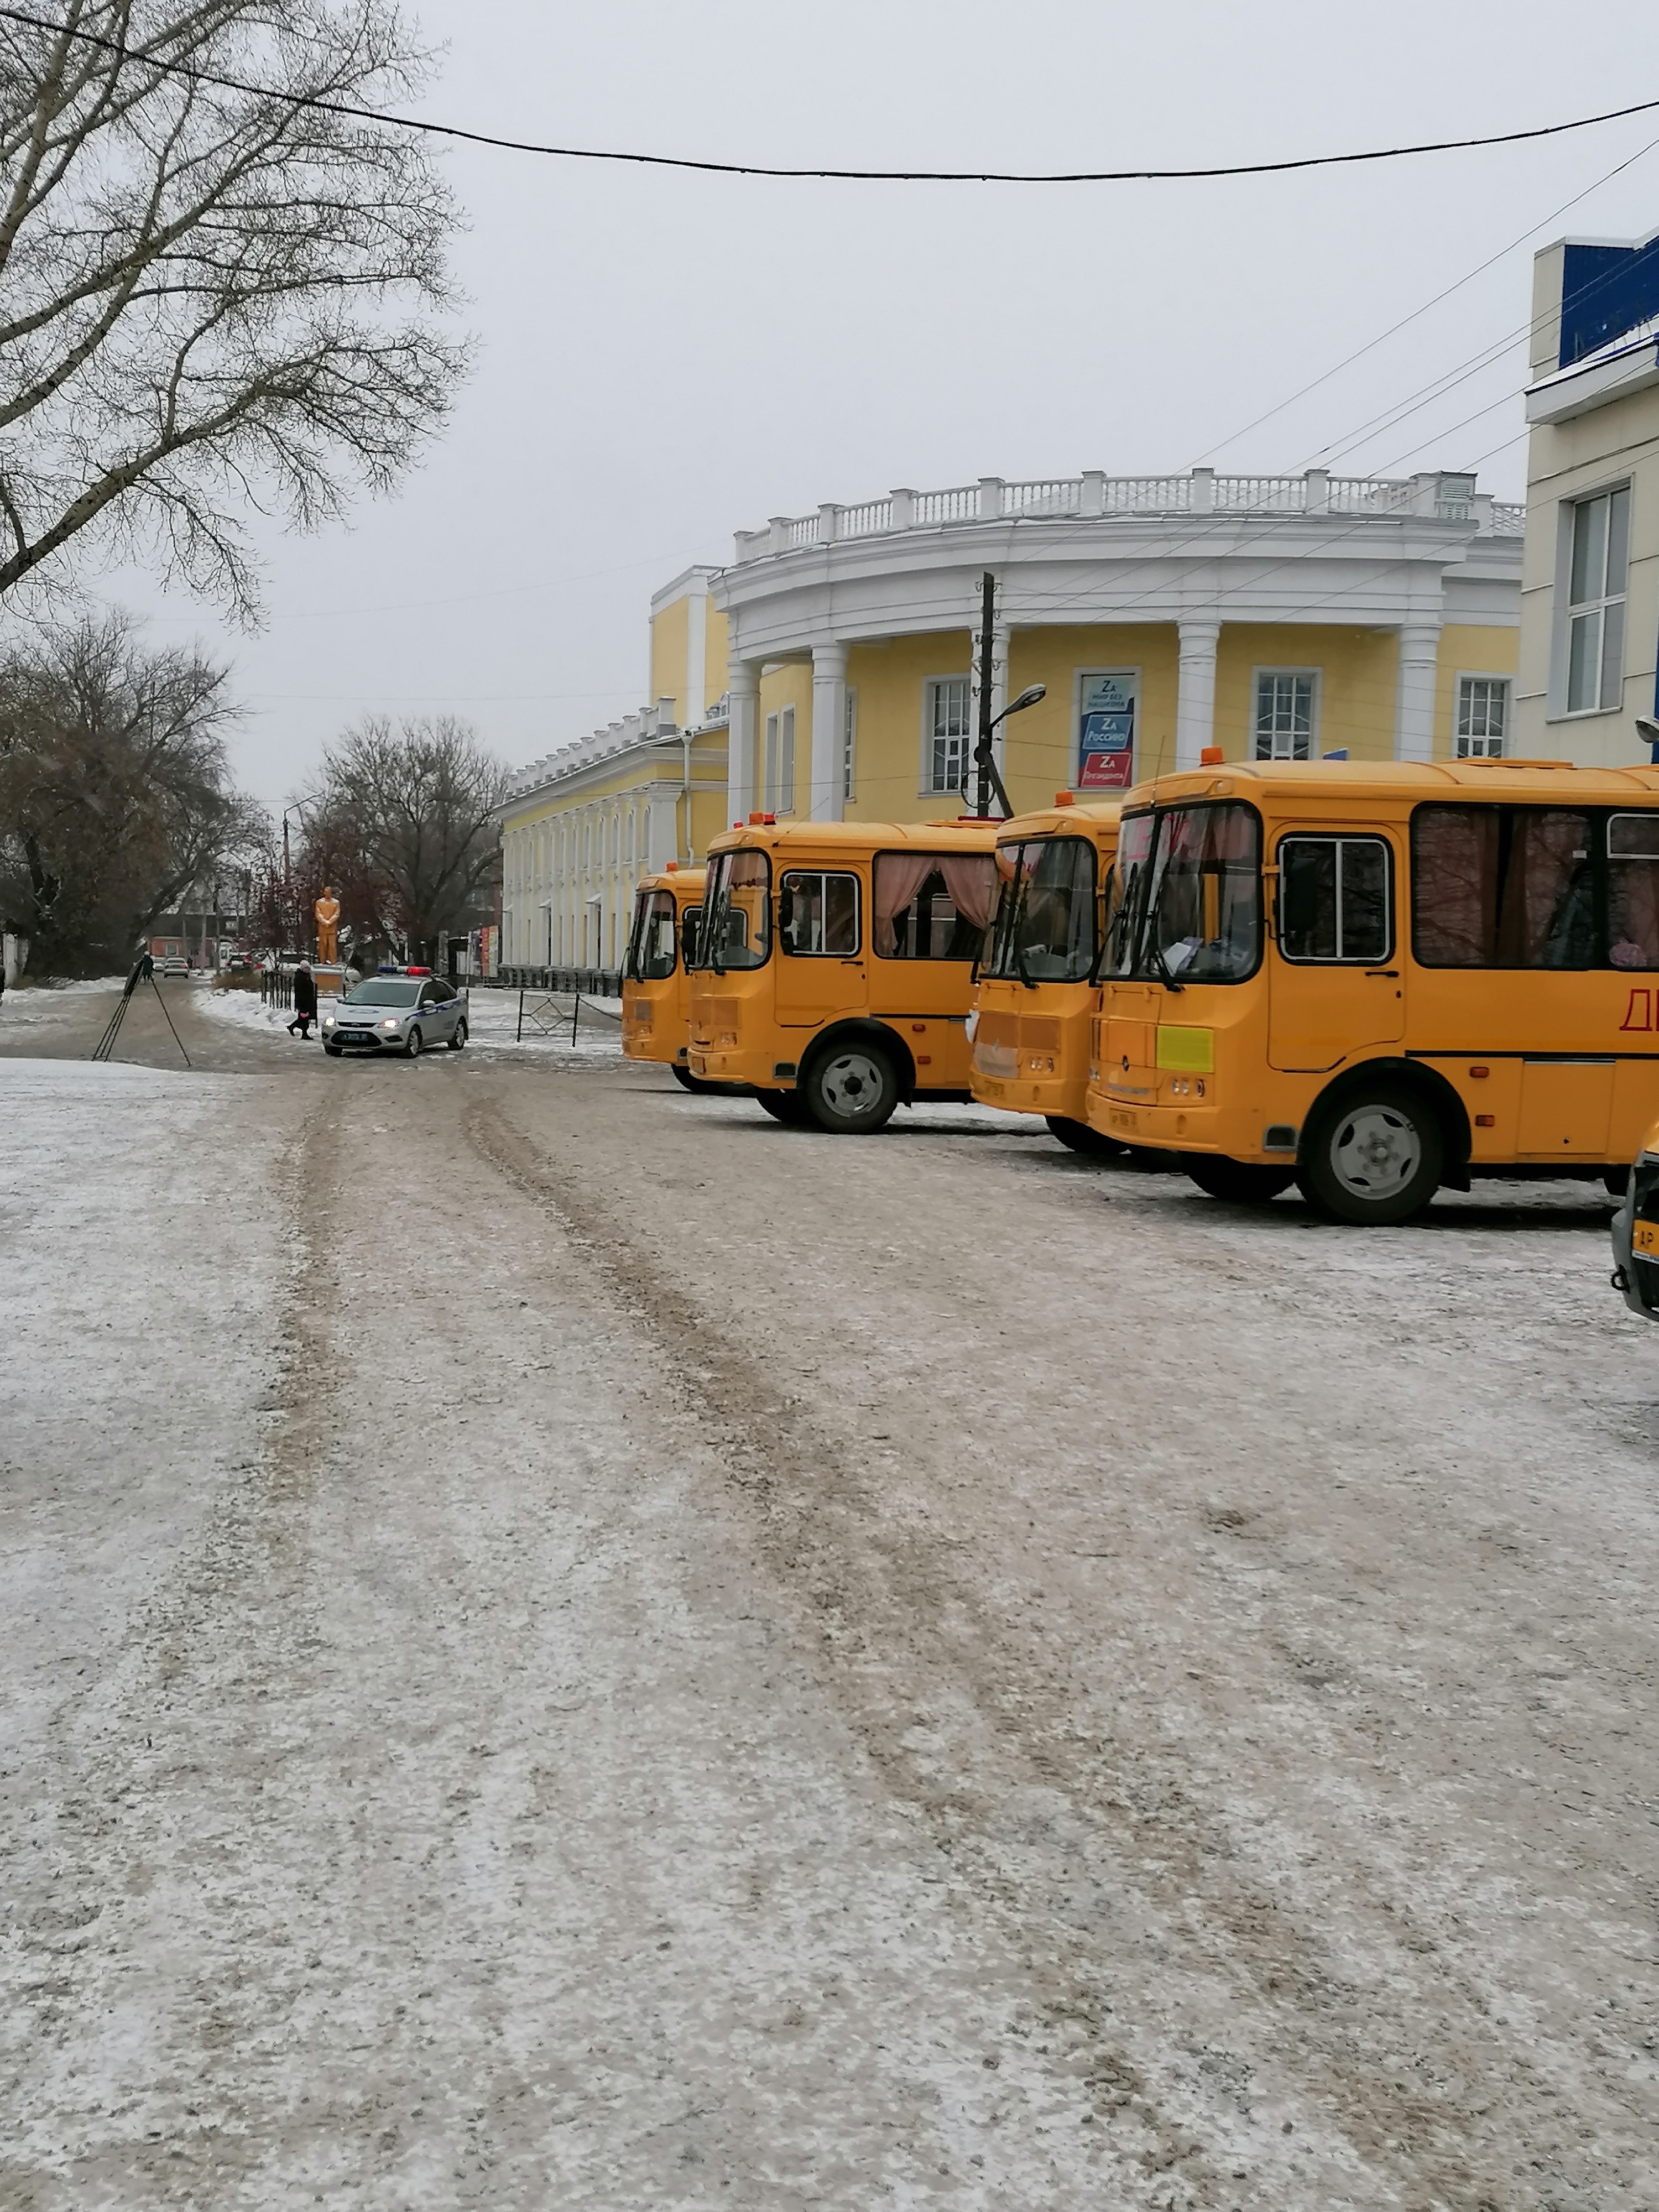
(223, 83)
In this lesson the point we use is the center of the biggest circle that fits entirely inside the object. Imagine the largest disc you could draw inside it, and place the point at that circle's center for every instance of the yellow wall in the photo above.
(1356, 690)
(669, 629)
(887, 764)
(1471, 649)
(1357, 695)
(1041, 742)
(790, 686)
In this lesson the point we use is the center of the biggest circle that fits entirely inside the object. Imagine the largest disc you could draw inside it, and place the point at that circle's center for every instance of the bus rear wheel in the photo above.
(1241, 1182)
(782, 1105)
(852, 1089)
(1373, 1156)
(1078, 1137)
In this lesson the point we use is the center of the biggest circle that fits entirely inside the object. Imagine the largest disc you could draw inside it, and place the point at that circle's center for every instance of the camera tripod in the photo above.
(142, 972)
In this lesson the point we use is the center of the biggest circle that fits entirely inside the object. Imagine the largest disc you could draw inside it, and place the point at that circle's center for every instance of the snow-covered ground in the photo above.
(569, 1644)
(40, 1005)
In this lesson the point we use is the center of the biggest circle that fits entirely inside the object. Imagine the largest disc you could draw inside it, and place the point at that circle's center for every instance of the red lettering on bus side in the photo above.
(1630, 1020)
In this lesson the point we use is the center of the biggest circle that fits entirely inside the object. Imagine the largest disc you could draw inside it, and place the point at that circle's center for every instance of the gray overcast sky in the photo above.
(666, 358)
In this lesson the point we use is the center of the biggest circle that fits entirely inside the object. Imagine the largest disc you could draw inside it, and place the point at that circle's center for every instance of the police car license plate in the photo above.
(1644, 1238)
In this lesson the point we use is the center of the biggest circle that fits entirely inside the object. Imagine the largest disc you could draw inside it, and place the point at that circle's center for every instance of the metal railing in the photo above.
(591, 982)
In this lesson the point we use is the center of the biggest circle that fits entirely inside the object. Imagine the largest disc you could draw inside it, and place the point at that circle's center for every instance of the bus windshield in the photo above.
(1044, 930)
(737, 911)
(651, 946)
(1189, 909)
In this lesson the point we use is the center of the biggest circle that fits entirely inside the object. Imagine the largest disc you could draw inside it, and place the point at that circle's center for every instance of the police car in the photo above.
(403, 1010)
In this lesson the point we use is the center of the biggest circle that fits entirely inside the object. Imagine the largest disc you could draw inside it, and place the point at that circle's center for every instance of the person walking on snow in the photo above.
(305, 1001)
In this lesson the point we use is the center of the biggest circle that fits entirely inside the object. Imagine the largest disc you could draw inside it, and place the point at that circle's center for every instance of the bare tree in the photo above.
(409, 817)
(115, 796)
(214, 297)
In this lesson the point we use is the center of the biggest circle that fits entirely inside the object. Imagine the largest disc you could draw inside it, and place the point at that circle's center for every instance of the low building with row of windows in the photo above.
(832, 671)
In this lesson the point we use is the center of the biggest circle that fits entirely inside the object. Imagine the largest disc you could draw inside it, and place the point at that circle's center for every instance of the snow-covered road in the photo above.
(580, 1647)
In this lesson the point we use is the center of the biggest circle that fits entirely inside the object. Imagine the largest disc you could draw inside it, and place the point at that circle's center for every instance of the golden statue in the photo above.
(327, 912)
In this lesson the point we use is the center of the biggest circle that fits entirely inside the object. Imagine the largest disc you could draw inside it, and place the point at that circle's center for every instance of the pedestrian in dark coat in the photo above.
(305, 1001)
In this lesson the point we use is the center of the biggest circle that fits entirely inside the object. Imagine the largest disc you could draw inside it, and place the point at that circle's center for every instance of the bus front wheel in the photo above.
(1373, 1156)
(851, 1089)
(1241, 1183)
(1078, 1137)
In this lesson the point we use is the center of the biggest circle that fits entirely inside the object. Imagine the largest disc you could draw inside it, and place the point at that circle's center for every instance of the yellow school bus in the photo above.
(1039, 986)
(656, 978)
(1377, 979)
(834, 970)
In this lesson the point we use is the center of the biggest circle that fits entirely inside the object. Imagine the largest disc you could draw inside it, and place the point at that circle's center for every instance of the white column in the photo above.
(662, 828)
(1414, 726)
(742, 697)
(1195, 692)
(828, 729)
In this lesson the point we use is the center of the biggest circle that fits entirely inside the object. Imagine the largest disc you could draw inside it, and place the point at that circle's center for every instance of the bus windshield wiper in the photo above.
(1165, 973)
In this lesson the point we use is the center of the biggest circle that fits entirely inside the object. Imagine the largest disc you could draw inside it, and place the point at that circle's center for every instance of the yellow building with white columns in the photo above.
(832, 671)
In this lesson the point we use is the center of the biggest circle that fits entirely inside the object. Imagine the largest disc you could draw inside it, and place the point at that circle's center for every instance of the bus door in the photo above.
(820, 969)
(1337, 977)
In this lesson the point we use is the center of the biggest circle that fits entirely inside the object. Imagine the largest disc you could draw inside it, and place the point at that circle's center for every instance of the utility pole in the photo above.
(982, 750)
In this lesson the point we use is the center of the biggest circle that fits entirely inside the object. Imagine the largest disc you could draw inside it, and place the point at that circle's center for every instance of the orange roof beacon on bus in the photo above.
(1375, 979)
(656, 977)
(836, 962)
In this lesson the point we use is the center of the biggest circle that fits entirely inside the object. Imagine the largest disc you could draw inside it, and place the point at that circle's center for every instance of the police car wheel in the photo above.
(333, 1050)
(459, 1038)
(412, 1045)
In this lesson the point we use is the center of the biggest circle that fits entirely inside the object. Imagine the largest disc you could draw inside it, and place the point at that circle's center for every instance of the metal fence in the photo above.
(591, 982)
(276, 987)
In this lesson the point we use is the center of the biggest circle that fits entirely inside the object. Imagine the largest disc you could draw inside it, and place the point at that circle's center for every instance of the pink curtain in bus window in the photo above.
(970, 878)
(899, 877)
(1454, 886)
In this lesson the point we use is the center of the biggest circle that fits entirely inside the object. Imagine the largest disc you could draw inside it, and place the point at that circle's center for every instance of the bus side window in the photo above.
(818, 913)
(1634, 891)
(1503, 887)
(1334, 899)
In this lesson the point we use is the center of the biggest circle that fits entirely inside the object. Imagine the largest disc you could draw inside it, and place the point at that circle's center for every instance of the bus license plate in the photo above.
(1120, 1120)
(1644, 1238)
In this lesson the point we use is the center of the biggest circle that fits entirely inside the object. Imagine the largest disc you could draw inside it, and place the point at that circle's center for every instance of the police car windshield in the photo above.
(384, 991)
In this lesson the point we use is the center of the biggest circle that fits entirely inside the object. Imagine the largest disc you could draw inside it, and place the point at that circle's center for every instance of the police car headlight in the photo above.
(328, 1021)
(392, 1022)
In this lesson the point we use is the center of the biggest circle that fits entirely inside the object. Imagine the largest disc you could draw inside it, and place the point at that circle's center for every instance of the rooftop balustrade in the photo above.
(1437, 493)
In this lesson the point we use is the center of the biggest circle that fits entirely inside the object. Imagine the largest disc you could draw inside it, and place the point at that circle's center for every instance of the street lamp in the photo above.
(988, 777)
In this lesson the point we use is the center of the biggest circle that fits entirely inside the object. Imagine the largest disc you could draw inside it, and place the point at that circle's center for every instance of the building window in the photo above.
(1483, 714)
(1596, 567)
(777, 784)
(1285, 712)
(849, 744)
(948, 710)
